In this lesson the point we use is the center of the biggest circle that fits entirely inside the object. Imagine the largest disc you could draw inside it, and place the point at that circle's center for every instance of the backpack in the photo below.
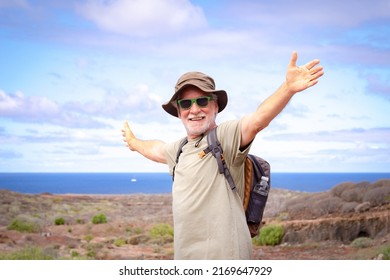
(257, 180)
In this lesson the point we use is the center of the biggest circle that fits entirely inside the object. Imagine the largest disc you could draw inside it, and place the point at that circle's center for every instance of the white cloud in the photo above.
(143, 18)
(372, 135)
(39, 109)
(17, 105)
(245, 45)
(139, 104)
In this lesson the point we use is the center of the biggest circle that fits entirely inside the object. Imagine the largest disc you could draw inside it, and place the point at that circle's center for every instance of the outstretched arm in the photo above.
(298, 78)
(151, 149)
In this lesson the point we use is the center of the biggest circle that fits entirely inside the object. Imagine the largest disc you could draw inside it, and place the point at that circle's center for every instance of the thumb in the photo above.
(127, 130)
(293, 61)
(126, 125)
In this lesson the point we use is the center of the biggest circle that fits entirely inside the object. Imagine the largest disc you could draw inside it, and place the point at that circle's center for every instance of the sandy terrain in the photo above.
(126, 233)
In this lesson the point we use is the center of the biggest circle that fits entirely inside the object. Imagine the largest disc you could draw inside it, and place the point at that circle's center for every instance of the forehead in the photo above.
(191, 92)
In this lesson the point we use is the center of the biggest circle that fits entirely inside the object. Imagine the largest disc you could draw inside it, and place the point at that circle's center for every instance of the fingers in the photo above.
(316, 75)
(312, 64)
(308, 66)
(124, 130)
(126, 126)
(315, 70)
(127, 134)
(293, 60)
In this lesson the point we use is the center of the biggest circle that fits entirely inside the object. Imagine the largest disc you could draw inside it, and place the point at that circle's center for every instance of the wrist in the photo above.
(287, 89)
(132, 143)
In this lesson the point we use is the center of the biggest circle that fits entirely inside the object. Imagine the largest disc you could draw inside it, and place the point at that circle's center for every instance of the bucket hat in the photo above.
(200, 80)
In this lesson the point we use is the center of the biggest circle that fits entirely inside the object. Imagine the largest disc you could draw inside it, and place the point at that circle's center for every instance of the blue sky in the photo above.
(73, 71)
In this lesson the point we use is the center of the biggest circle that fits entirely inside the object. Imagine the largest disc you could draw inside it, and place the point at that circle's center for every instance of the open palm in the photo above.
(299, 78)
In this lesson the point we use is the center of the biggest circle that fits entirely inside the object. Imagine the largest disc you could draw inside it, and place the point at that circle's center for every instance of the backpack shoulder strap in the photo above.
(179, 151)
(216, 150)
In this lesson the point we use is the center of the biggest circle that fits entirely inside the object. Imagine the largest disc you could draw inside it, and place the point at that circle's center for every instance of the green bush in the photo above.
(59, 221)
(362, 242)
(99, 219)
(161, 234)
(23, 226)
(386, 253)
(269, 235)
(75, 254)
(119, 242)
(88, 238)
(161, 230)
(28, 253)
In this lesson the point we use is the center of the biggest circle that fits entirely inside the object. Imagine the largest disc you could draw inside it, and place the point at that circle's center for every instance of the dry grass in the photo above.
(131, 217)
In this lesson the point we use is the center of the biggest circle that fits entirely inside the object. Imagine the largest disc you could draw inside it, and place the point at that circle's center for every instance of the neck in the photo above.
(196, 136)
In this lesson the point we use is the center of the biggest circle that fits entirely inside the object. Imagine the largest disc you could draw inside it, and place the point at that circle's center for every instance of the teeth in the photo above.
(196, 119)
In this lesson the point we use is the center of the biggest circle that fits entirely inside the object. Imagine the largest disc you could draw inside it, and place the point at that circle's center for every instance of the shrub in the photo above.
(28, 253)
(119, 242)
(351, 192)
(59, 221)
(362, 242)
(161, 234)
(381, 183)
(161, 230)
(23, 226)
(348, 207)
(133, 230)
(298, 206)
(378, 196)
(80, 221)
(75, 254)
(340, 188)
(269, 235)
(99, 219)
(386, 253)
(88, 238)
(326, 205)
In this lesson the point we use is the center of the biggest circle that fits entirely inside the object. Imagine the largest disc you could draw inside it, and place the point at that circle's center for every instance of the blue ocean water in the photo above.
(157, 183)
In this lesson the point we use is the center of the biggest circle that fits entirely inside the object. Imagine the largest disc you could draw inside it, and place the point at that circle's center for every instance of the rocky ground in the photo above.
(130, 217)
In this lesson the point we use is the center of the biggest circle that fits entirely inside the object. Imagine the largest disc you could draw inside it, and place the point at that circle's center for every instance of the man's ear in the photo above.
(216, 107)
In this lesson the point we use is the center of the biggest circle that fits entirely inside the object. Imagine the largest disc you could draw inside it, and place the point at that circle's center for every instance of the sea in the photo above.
(160, 183)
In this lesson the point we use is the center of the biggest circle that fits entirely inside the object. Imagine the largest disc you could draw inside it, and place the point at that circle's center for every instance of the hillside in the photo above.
(351, 221)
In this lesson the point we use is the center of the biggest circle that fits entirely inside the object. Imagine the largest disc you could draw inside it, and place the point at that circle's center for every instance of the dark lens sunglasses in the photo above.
(202, 102)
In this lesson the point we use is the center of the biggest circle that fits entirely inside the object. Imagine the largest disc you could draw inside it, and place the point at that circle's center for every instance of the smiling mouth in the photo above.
(197, 118)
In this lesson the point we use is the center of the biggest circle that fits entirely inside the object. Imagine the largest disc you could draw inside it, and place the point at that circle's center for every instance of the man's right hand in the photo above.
(128, 136)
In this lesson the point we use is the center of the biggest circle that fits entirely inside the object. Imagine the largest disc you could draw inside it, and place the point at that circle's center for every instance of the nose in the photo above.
(194, 108)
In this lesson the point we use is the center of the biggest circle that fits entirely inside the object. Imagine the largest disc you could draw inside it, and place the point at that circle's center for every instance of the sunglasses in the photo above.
(200, 101)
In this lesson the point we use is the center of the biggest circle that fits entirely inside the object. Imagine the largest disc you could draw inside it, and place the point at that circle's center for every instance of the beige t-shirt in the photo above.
(209, 219)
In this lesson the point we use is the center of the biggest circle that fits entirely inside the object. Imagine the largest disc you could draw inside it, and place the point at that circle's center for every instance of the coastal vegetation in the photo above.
(269, 235)
(99, 219)
(350, 221)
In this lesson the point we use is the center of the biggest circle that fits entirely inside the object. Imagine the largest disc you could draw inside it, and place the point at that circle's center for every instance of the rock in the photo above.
(380, 257)
(363, 207)
(344, 228)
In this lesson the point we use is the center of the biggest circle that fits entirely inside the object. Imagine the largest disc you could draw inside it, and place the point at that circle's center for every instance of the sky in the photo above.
(73, 71)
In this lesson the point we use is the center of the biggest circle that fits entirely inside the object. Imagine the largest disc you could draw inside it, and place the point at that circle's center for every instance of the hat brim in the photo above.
(171, 109)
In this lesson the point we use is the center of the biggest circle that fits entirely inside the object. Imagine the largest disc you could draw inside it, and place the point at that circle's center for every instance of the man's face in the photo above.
(197, 119)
